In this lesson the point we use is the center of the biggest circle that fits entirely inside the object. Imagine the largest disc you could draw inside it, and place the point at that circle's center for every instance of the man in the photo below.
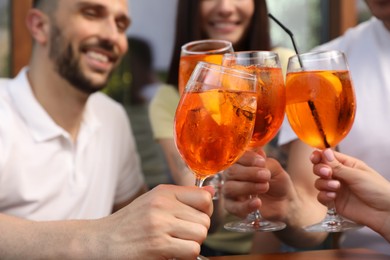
(68, 152)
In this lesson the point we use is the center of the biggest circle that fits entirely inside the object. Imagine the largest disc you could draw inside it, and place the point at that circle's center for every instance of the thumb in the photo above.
(340, 170)
(209, 189)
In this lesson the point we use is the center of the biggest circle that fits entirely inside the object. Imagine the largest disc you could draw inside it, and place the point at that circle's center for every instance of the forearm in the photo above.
(379, 222)
(303, 206)
(23, 239)
(302, 213)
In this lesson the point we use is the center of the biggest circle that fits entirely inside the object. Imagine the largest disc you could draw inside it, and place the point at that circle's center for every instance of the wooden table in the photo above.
(339, 254)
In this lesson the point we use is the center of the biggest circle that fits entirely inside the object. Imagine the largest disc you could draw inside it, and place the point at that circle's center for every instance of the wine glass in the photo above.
(321, 109)
(210, 50)
(271, 102)
(215, 118)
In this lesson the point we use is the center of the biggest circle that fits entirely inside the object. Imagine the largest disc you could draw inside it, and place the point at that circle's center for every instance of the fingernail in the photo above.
(325, 172)
(333, 184)
(259, 161)
(329, 155)
(331, 195)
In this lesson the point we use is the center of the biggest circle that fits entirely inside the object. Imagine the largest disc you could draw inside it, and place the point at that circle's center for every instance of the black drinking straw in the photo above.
(290, 34)
(310, 103)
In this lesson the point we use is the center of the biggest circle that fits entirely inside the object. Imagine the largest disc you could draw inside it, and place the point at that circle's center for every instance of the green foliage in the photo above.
(119, 85)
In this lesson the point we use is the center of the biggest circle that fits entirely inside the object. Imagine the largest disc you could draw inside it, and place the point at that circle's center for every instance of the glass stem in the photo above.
(332, 218)
(256, 215)
(199, 182)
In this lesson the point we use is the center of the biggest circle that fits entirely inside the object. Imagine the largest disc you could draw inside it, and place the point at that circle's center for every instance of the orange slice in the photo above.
(211, 102)
(304, 86)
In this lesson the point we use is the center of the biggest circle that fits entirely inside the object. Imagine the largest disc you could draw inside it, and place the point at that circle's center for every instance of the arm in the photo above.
(303, 208)
(167, 222)
(359, 192)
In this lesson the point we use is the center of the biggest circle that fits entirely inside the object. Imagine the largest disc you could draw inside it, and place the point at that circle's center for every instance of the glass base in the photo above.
(254, 225)
(333, 223)
(332, 227)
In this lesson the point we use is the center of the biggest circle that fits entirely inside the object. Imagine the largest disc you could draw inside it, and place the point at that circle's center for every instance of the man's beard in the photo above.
(67, 65)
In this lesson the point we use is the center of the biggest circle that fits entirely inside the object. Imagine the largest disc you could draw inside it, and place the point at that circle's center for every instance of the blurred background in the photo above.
(311, 21)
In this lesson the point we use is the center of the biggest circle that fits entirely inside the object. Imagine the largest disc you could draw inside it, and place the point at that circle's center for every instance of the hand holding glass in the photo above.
(321, 109)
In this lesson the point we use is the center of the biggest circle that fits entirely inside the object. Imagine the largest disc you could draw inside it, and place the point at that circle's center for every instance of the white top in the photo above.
(45, 176)
(367, 48)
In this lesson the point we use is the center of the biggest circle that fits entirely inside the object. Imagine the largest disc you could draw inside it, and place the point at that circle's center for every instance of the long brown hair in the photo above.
(188, 28)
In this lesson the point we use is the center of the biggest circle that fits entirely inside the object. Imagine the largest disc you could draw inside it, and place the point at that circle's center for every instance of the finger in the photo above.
(238, 172)
(189, 230)
(181, 249)
(327, 185)
(346, 160)
(242, 208)
(348, 169)
(326, 197)
(322, 170)
(274, 167)
(210, 189)
(234, 189)
(186, 213)
(251, 158)
(315, 157)
(200, 199)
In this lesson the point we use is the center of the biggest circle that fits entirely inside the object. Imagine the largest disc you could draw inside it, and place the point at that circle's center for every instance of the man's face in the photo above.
(87, 40)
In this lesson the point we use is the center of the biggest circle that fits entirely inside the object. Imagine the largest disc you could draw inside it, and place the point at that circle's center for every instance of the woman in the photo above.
(244, 23)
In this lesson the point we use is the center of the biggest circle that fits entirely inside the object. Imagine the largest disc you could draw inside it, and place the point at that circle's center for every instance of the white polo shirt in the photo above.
(44, 175)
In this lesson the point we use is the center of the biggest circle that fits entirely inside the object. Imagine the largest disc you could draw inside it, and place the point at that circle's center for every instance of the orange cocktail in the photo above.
(271, 103)
(271, 100)
(188, 63)
(320, 106)
(216, 142)
(210, 50)
(215, 118)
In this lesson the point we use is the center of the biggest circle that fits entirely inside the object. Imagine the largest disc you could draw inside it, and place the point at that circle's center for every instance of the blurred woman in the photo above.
(245, 23)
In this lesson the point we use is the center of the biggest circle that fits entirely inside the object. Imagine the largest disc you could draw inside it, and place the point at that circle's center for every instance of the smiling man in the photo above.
(74, 141)
(68, 154)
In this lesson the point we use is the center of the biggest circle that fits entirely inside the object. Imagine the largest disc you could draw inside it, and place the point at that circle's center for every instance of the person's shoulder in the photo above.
(351, 37)
(7, 113)
(4, 94)
(4, 81)
(165, 94)
(167, 90)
